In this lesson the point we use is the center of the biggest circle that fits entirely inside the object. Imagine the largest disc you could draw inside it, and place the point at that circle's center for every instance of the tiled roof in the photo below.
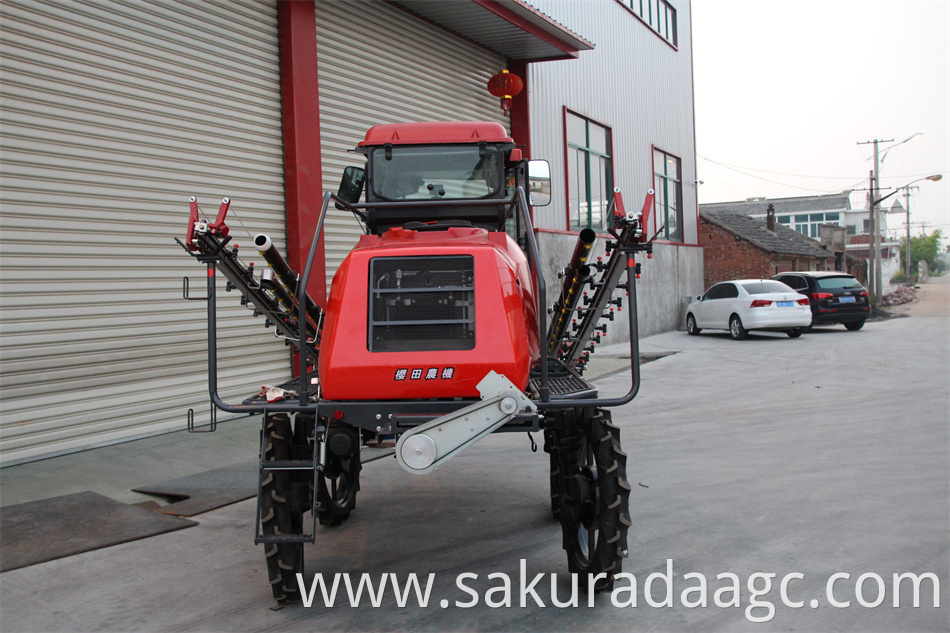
(784, 206)
(783, 240)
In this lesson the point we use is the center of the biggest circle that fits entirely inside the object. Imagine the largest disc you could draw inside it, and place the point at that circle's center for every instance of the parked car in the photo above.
(741, 305)
(836, 297)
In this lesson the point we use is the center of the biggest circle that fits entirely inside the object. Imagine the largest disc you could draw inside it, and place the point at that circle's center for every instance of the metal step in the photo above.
(285, 465)
(563, 382)
(296, 464)
(284, 538)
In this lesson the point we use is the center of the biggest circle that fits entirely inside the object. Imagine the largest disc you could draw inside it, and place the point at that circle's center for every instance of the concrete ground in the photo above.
(814, 456)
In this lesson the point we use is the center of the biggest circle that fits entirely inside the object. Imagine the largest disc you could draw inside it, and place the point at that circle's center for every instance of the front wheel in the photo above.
(691, 327)
(736, 330)
(281, 513)
(595, 495)
(794, 333)
(854, 325)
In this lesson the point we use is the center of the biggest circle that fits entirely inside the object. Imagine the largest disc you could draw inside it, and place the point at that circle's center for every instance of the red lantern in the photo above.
(505, 85)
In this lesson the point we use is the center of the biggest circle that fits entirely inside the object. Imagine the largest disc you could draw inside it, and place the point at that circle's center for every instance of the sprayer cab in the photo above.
(463, 164)
(450, 295)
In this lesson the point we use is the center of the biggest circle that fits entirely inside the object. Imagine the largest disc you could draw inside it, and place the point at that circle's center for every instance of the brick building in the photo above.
(737, 246)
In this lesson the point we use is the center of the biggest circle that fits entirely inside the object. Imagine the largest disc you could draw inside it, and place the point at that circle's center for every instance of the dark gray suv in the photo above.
(836, 297)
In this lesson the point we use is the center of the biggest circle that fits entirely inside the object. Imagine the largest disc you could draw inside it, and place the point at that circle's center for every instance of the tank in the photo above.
(416, 314)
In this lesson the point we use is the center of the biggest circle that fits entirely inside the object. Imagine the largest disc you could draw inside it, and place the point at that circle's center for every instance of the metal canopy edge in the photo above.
(513, 28)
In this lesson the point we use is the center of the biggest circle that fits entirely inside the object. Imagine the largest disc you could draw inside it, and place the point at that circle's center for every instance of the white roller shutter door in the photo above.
(113, 113)
(380, 64)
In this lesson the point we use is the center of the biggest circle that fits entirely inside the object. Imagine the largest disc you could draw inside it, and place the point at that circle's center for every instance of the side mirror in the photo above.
(539, 183)
(699, 297)
(351, 185)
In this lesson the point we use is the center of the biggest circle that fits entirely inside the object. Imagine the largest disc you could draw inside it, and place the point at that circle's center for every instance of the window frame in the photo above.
(405, 153)
(665, 235)
(809, 224)
(464, 263)
(588, 152)
(636, 7)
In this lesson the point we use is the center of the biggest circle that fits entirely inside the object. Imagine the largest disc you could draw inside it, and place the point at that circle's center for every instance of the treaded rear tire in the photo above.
(595, 501)
(550, 447)
(854, 325)
(280, 513)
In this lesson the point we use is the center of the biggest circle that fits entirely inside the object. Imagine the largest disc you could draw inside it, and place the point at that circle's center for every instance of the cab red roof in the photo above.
(445, 132)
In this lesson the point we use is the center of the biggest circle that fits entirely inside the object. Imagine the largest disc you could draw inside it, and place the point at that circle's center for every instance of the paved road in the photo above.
(813, 456)
(933, 299)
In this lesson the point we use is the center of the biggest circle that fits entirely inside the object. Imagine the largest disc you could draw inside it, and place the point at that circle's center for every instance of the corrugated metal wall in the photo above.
(380, 64)
(632, 81)
(640, 86)
(113, 114)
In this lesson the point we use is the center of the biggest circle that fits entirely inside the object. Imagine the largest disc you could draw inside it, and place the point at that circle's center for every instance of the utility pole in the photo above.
(907, 259)
(873, 251)
(875, 221)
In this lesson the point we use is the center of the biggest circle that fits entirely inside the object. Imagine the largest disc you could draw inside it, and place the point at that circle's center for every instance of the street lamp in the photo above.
(933, 178)
(890, 147)
(874, 261)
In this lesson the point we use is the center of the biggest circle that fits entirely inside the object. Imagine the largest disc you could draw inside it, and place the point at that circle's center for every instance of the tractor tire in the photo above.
(595, 513)
(280, 514)
(339, 482)
(550, 447)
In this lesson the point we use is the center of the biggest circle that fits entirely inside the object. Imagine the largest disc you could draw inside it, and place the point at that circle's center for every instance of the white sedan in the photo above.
(741, 305)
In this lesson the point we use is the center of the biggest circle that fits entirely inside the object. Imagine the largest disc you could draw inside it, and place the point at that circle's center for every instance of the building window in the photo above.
(809, 223)
(659, 15)
(668, 202)
(589, 173)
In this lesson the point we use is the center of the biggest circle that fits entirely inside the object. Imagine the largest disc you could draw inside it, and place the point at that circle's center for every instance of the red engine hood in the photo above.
(506, 335)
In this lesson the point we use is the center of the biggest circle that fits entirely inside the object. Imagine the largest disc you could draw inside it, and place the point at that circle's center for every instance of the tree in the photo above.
(923, 249)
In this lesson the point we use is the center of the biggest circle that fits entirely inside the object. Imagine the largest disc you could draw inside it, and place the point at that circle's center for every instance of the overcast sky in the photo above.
(785, 89)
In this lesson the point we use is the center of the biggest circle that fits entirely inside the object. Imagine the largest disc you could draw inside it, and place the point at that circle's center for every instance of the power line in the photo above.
(775, 182)
(777, 173)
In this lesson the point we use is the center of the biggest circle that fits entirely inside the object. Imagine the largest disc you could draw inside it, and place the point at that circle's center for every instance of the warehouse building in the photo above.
(114, 113)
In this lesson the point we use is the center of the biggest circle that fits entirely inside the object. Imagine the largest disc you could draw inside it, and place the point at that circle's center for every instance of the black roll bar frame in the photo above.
(518, 203)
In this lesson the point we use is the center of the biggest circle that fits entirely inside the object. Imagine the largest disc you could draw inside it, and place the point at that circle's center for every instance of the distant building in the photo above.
(736, 245)
(806, 215)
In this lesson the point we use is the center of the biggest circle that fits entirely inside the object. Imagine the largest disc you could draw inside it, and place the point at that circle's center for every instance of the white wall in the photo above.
(640, 86)
(634, 82)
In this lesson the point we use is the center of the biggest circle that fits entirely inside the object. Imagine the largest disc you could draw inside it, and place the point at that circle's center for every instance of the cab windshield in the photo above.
(447, 172)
